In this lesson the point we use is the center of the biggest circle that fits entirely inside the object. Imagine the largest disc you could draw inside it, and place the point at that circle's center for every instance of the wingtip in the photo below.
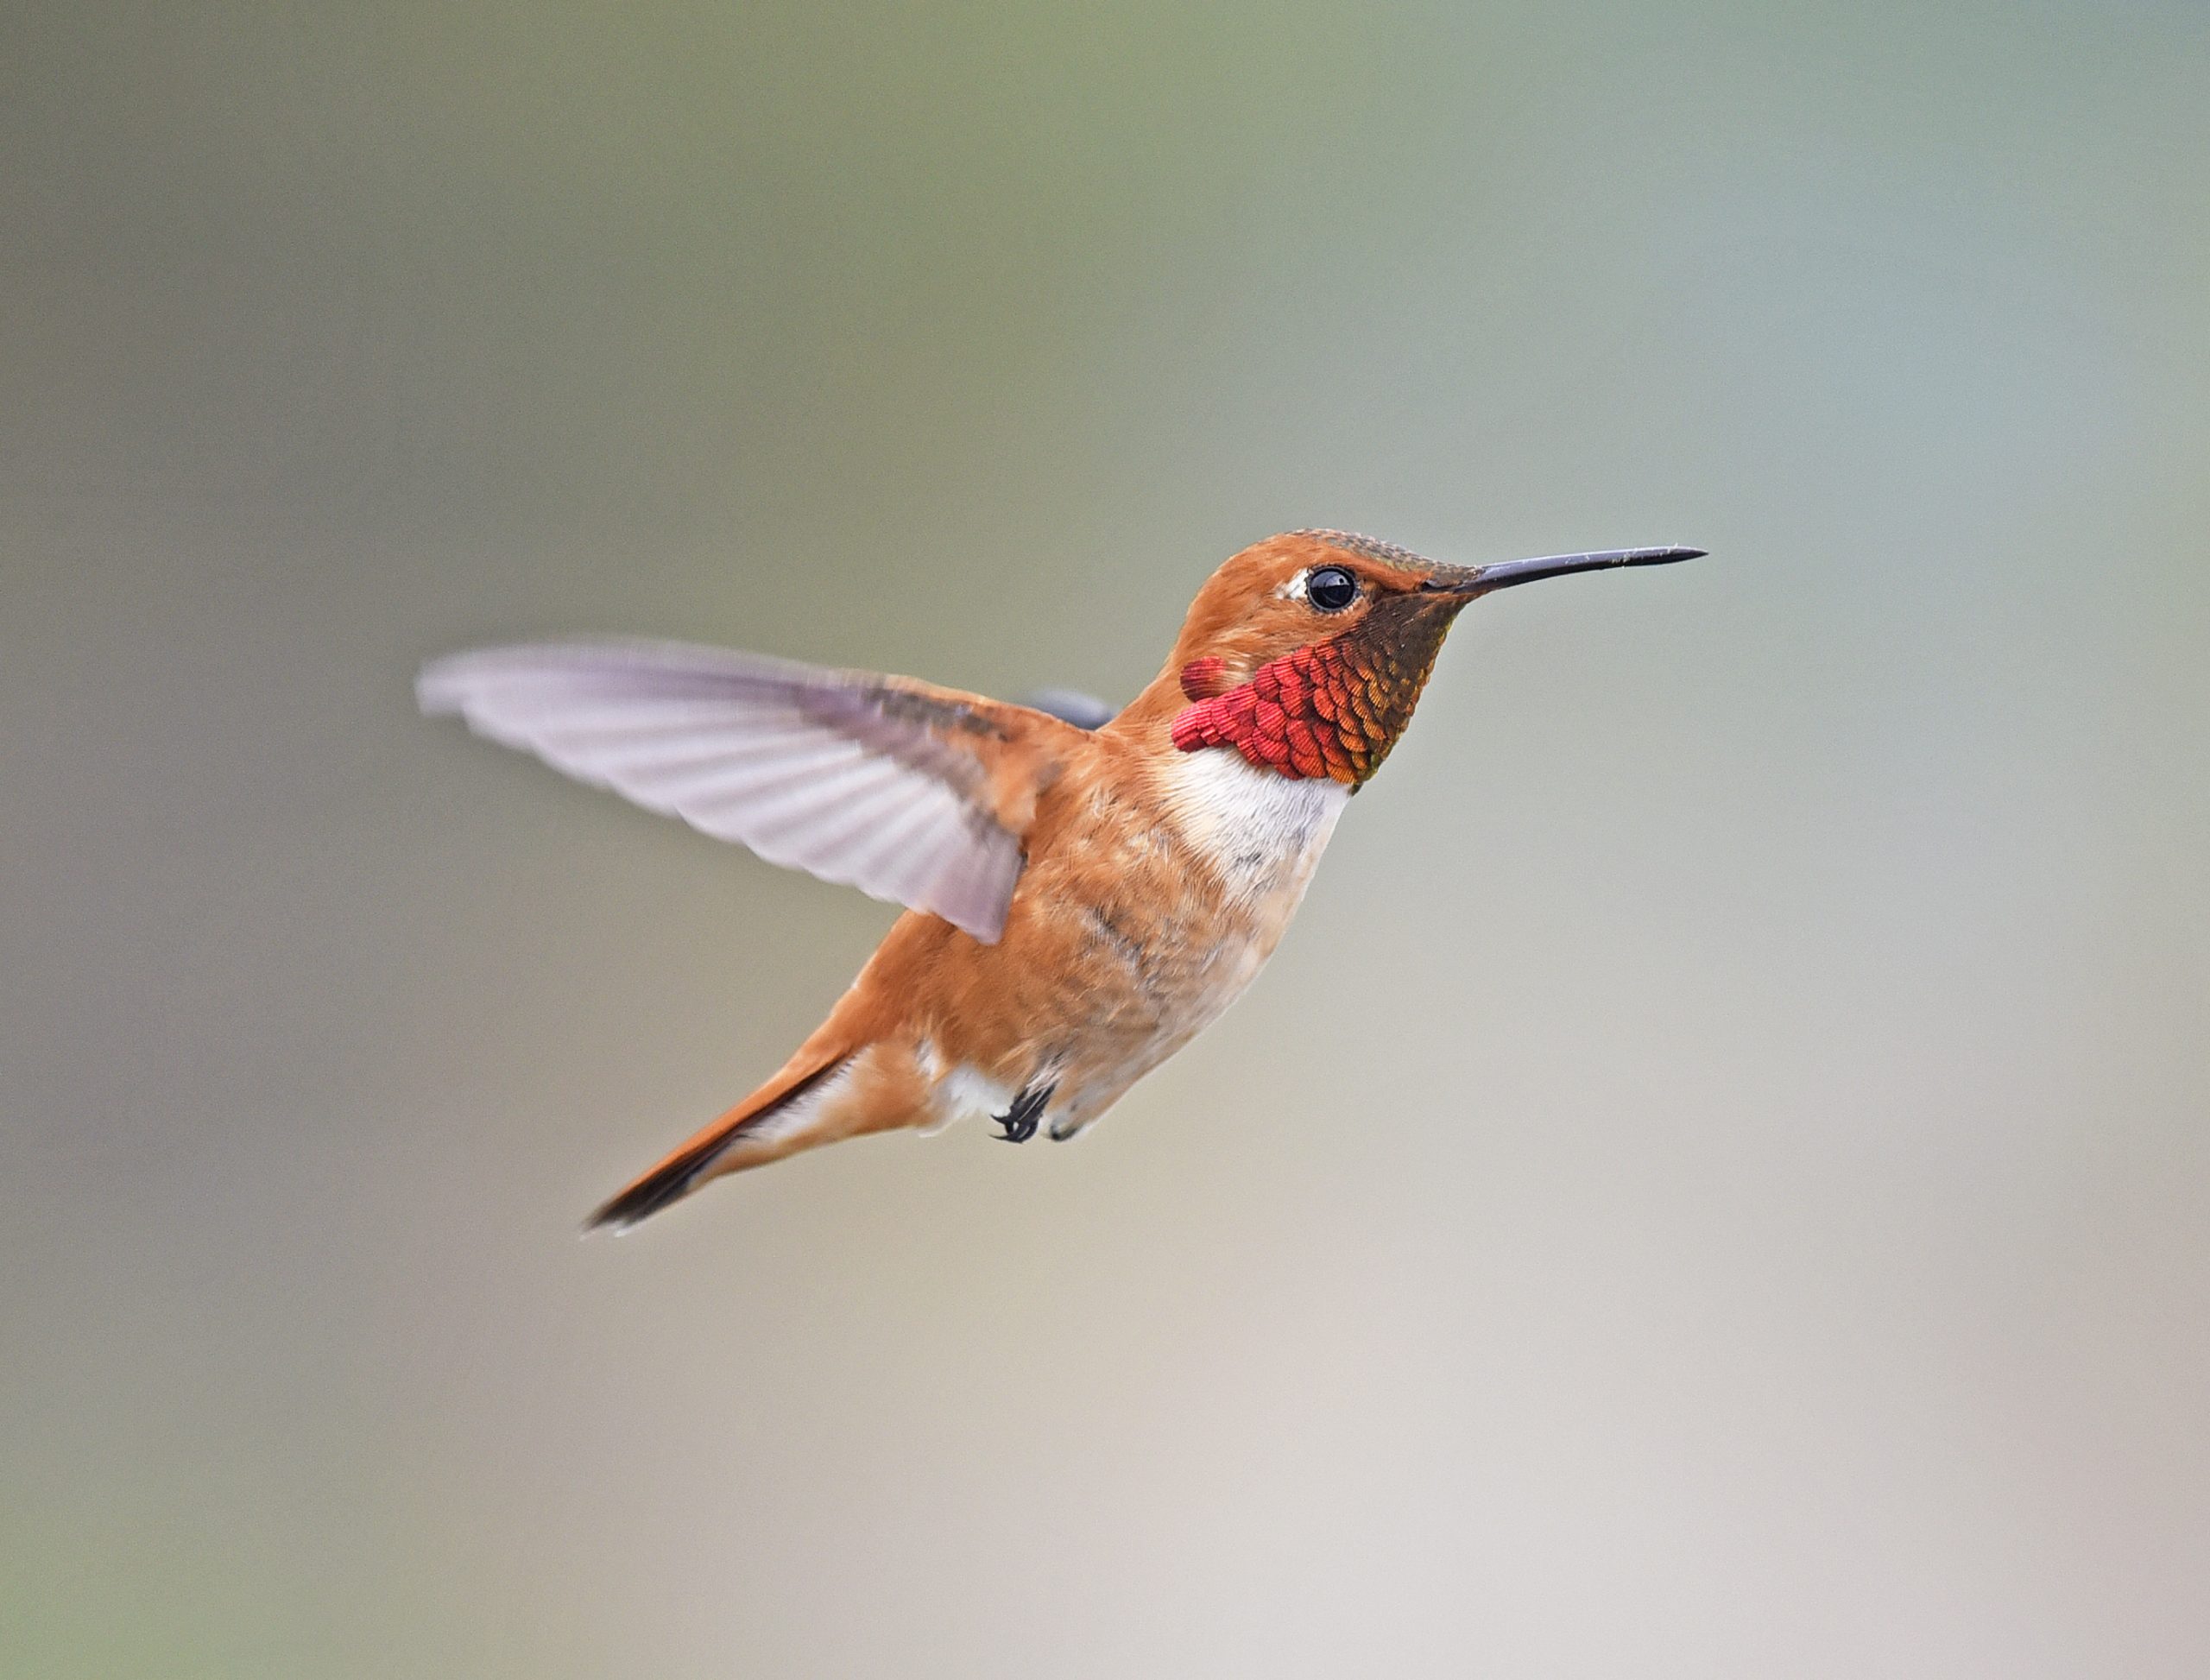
(437, 688)
(1084, 711)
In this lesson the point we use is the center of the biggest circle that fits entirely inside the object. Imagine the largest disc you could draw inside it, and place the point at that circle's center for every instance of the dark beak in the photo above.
(1480, 579)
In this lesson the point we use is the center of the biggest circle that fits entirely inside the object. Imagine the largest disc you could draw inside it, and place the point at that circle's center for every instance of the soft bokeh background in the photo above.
(1715, 1182)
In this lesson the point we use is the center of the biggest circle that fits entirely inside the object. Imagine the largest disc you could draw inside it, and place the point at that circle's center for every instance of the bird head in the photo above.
(1307, 652)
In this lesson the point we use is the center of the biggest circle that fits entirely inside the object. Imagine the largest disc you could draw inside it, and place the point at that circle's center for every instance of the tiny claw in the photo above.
(1019, 1121)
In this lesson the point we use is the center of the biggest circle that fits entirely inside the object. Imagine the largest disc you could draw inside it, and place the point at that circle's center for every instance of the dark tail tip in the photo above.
(658, 1189)
(683, 1171)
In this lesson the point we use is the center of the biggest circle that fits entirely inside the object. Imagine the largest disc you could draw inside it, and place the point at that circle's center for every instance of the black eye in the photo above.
(1331, 588)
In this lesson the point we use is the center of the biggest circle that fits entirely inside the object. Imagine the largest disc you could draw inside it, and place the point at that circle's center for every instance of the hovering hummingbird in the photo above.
(1083, 894)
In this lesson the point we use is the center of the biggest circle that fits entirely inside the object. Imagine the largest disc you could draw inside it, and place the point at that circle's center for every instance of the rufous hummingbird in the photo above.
(1083, 894)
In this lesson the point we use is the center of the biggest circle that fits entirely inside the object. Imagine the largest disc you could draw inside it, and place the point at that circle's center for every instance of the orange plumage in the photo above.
(1082, 902)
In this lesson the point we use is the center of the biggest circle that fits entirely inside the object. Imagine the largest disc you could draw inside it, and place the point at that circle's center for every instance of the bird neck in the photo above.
(1332, 708)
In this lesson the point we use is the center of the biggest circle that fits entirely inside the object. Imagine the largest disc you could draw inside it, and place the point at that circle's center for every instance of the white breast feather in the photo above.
(1262, 832)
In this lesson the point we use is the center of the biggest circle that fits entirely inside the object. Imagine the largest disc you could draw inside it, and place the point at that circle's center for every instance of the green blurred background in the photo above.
(1715, 1181)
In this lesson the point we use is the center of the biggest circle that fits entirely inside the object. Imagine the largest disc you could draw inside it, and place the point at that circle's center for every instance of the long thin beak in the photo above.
(1483, 578)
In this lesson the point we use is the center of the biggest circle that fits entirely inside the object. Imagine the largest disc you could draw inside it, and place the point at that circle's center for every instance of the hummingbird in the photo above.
(1085, 892)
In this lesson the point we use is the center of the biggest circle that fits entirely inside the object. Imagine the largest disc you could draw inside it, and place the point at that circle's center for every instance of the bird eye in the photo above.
(1330, 588)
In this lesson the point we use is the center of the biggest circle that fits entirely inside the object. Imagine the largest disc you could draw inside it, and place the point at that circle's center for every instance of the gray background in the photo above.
(1715, 1181)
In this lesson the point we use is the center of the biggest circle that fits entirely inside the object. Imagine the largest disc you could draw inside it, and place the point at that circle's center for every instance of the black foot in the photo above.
(1019, 1121)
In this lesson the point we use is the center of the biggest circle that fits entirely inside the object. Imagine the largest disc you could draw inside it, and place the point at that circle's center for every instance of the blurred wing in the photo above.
(1071, 706)
(913, 793)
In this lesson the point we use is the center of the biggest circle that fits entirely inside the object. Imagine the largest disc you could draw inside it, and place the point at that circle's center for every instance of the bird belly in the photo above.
(957, 1090)
(1145, 910)
(1186, 899)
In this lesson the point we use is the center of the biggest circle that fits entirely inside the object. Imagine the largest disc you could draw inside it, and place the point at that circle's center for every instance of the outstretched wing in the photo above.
(911, 792)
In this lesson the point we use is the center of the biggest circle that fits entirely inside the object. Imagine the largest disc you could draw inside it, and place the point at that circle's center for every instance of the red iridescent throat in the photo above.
(1332, 709)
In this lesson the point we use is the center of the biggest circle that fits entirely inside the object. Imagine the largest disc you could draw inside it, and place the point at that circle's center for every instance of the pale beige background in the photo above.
(1717, 1181)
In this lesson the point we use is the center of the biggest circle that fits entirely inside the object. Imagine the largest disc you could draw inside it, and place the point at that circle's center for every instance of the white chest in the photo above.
(1261, 833)
(1258, 837)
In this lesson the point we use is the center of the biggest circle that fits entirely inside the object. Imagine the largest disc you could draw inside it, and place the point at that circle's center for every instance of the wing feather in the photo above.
(892, 786)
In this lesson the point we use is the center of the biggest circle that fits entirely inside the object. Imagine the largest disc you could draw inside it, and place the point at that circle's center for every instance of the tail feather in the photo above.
(697, 1161)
